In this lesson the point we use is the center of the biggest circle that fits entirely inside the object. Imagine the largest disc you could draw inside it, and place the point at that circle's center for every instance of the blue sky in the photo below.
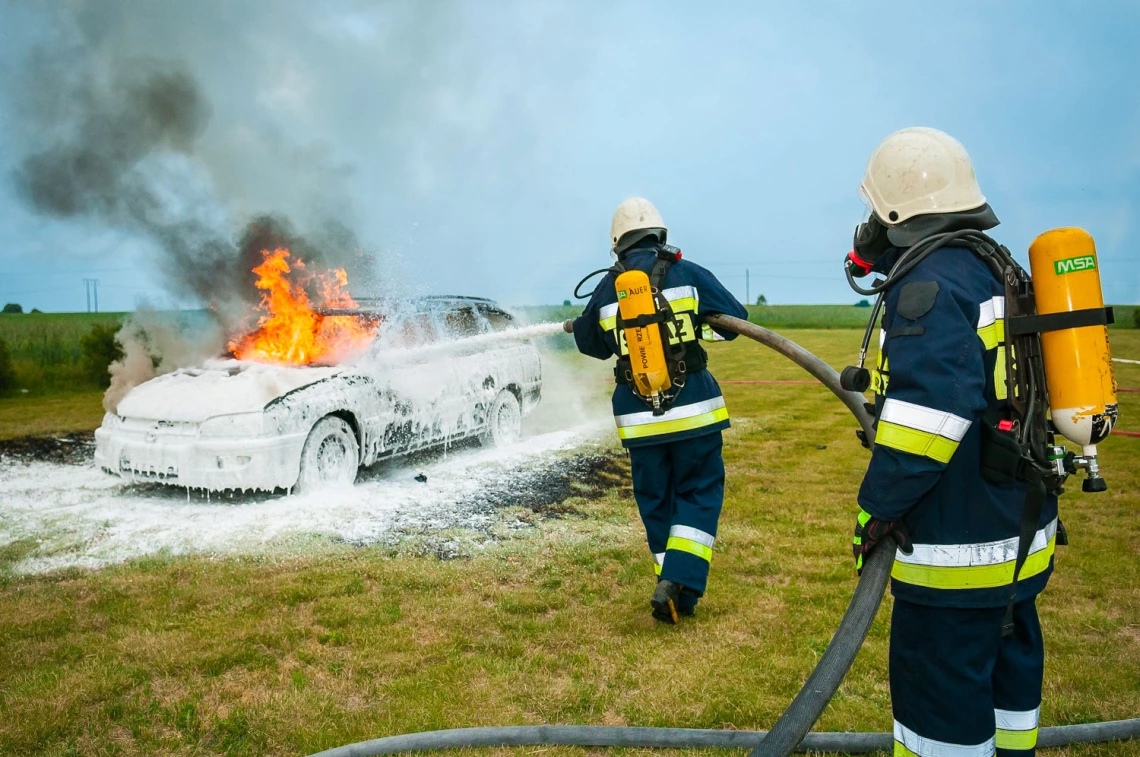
(481, 147)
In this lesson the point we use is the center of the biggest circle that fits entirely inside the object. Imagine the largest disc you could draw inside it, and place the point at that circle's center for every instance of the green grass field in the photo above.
(45, 349)
(47, 358)
(289, 654)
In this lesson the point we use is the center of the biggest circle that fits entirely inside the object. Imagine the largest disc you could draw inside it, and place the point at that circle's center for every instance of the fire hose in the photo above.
(790, 733)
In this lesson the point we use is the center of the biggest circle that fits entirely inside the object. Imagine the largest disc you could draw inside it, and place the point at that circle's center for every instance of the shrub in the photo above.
(7, 375)
(99, 349)
(13, 307)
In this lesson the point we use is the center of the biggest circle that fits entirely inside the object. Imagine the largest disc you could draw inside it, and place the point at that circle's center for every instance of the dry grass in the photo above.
(295, 654)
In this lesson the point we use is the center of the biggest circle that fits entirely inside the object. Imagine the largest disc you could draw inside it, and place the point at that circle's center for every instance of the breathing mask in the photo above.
(869, 244)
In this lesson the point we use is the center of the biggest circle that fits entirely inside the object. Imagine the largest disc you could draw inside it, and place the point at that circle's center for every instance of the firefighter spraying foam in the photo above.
(966, 469)
(648, 311)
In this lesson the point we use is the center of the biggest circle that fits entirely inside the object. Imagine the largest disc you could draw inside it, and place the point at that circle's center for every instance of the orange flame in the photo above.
(291, 332)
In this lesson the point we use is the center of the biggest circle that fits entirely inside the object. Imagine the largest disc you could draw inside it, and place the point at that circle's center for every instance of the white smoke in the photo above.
(153, 345)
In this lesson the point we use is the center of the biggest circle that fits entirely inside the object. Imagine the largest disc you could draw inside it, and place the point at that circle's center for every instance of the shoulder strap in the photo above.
(658, 273)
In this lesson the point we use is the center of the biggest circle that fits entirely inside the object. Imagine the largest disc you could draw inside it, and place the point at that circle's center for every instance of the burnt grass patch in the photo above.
(76, 448)
(547, 489)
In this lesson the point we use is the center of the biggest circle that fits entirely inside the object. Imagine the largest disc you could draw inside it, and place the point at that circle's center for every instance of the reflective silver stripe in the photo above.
(672, 294)
(1017, 720)
(659, 557)
(924, 419)
(924, 747)
(984, 553)
(882, 338)
(607, 311)
(676, 413)
(693, 534)
(990, 311)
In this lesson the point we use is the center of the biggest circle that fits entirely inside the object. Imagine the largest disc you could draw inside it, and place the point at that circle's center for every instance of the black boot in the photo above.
(664, 602)
(687, 603)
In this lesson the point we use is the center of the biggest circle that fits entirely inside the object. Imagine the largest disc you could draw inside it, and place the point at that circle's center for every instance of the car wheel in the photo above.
(330, 456)
(504, 421)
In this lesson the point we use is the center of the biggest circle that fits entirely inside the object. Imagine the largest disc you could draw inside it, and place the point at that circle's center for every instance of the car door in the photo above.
(476, 375)
(418, 383)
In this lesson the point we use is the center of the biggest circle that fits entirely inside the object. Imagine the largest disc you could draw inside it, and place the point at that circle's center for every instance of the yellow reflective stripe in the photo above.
(657, 568)
(972, 576)
(608, 324)
(902, 751)
(915, 442)
(1000, 375)
(684, 304)
(881, 376)
(708, 334)
(681, 544)
(993, 334)
(673, 426)
(1016, 739)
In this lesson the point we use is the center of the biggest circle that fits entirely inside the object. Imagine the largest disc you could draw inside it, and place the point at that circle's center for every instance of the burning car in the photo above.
(275, 417)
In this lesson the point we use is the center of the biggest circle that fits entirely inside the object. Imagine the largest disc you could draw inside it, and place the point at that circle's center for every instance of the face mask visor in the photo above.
(869, 242)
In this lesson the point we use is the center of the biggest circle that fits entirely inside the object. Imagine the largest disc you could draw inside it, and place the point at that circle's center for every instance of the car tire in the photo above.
(331, 455)
(504, 421)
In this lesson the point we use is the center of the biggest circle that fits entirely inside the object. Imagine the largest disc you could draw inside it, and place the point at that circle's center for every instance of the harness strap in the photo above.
(642, 320)
(681, 358)
(1035, 324)
(1030, 515)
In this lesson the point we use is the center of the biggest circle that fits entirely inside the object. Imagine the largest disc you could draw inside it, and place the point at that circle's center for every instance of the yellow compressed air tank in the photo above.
(1078, 363)
(646, 350)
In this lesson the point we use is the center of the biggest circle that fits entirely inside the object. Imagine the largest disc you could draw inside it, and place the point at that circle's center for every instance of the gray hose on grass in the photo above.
(793, 726)
(791, 731)
(683, 738)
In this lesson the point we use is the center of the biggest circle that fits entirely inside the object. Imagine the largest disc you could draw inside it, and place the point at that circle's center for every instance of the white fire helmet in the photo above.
(635, 214)
(919, 171)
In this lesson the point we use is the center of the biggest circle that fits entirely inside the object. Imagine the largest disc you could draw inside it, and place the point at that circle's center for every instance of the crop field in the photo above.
(538, 616)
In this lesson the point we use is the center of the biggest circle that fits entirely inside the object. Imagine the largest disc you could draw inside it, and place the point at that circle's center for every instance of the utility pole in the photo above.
(91, 289)
(747, 288)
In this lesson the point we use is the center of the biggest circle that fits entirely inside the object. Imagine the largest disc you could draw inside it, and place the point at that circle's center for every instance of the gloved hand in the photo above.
(869, 531)
(568, 325)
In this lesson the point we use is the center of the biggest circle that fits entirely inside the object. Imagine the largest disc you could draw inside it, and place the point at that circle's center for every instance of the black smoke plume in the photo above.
(125, 157)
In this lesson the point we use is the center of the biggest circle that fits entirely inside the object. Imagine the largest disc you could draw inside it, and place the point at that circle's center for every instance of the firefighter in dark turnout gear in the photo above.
(958, 685)
(675, 456)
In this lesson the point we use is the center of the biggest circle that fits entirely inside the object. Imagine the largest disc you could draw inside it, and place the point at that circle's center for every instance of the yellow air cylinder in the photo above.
(1078, 364)
(646, 351)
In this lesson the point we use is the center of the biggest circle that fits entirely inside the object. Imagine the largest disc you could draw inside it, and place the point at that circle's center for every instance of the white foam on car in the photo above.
(220, 387)
(80, 517)
(488, 339)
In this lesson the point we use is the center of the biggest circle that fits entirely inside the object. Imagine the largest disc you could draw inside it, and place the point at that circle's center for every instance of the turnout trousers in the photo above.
(679, 488)
(958, 687)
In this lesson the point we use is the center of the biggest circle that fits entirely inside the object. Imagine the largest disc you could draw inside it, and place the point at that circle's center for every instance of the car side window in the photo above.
(496, 320)
(417, 330)
(461, 322)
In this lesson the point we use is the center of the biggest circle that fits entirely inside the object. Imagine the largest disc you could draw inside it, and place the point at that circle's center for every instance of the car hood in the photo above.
(220, 387)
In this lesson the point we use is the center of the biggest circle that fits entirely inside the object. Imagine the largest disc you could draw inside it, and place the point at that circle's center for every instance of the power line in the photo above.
(91, 287)
(21, 292)
(66, 272)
